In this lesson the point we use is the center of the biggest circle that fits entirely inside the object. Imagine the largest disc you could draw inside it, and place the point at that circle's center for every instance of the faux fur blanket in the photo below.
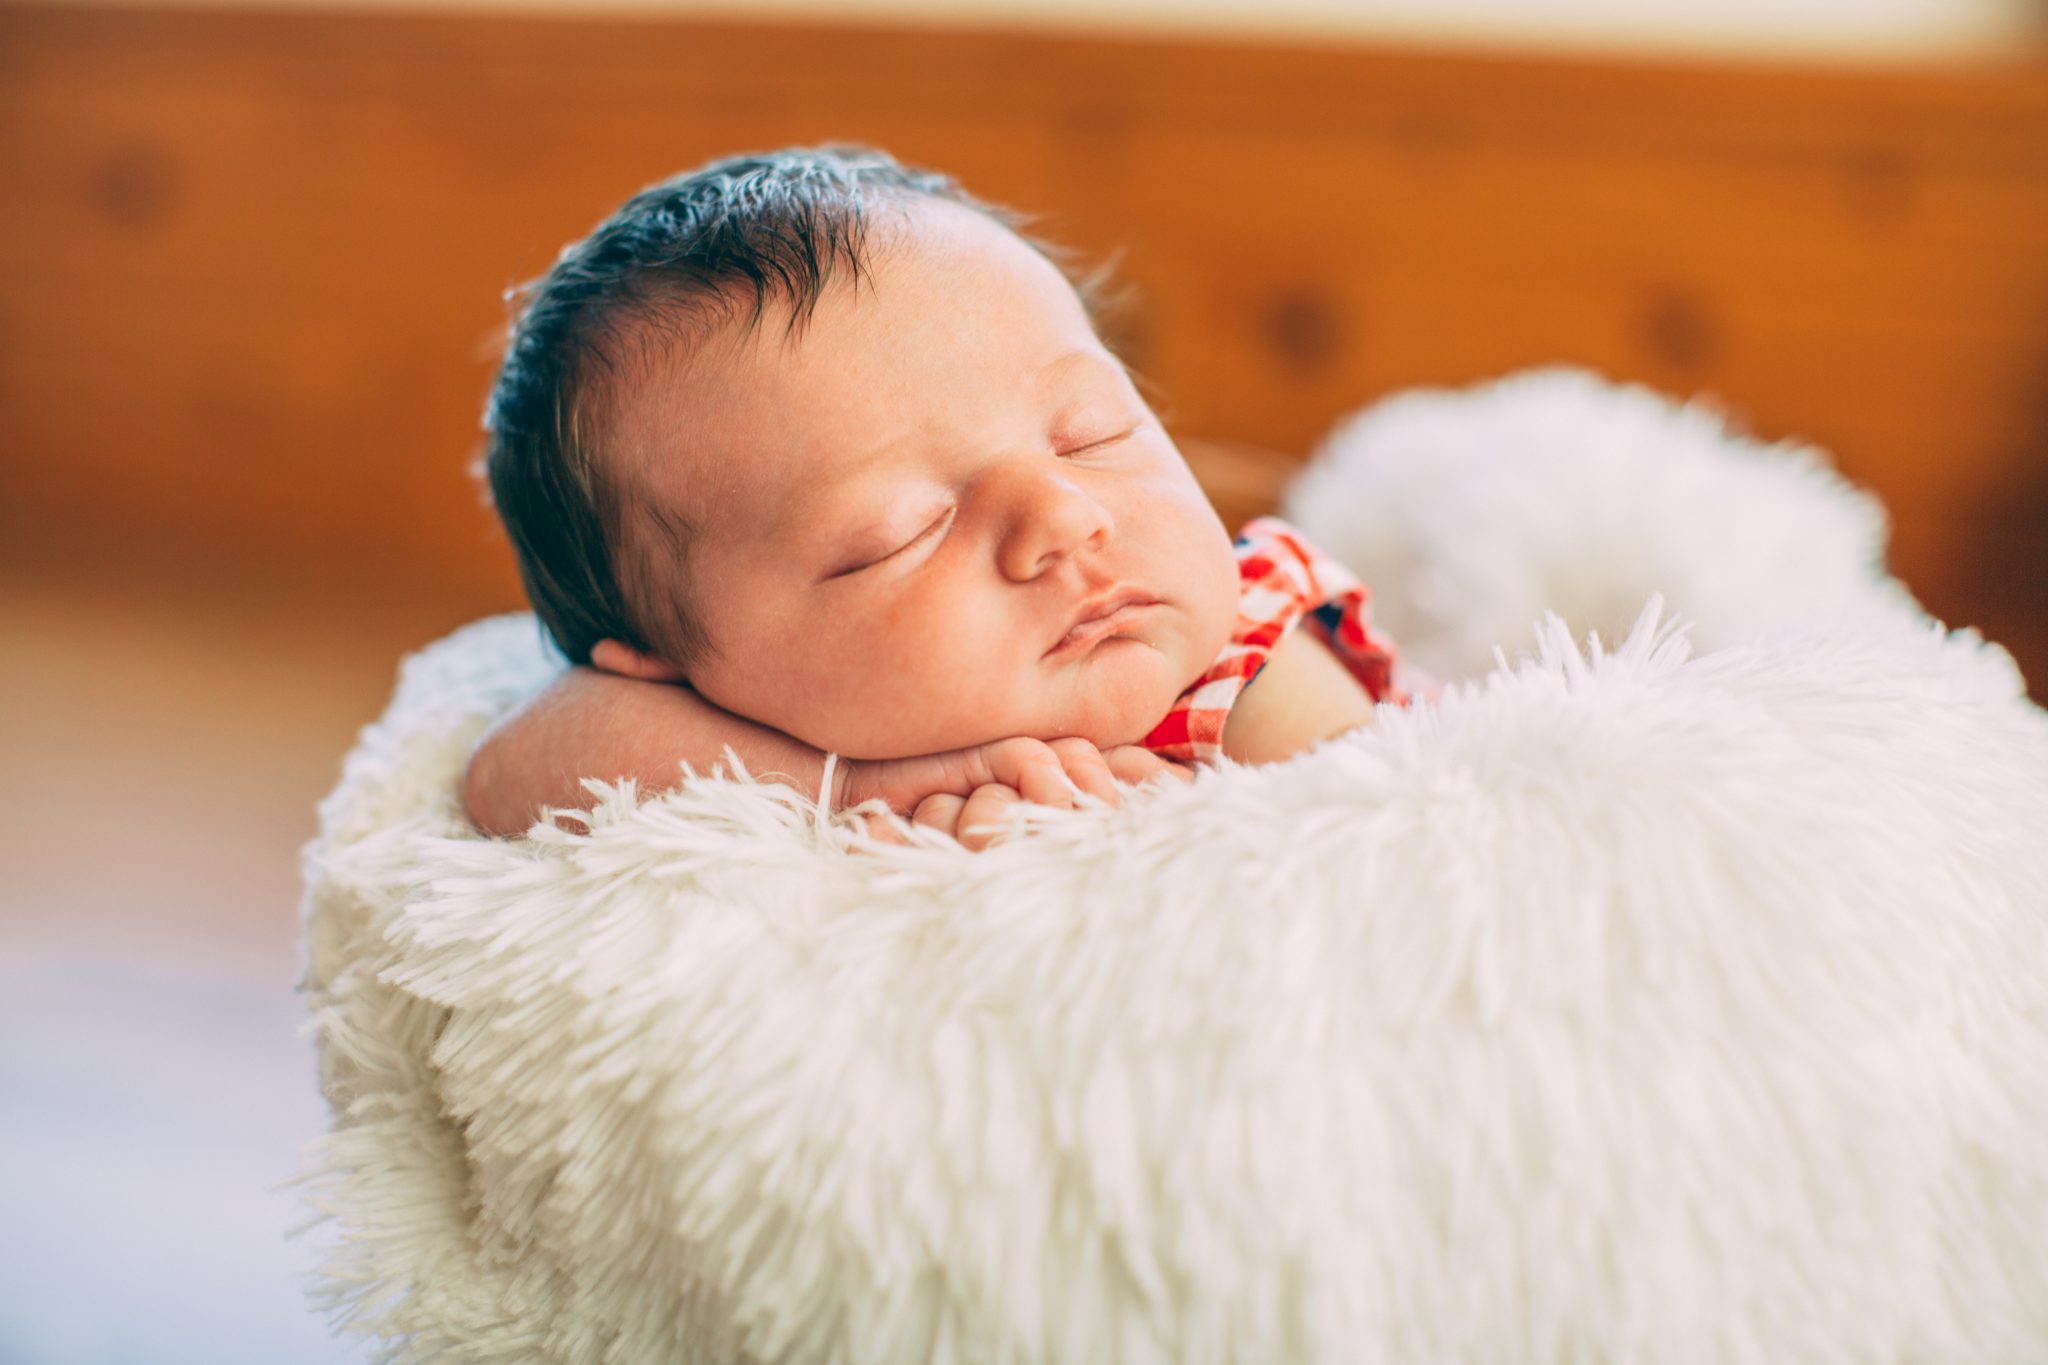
(1680, 1001)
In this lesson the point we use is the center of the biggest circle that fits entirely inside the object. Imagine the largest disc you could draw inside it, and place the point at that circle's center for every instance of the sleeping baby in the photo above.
(815, 458)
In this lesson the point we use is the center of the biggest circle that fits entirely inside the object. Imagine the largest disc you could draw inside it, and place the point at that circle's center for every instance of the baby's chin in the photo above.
(1124, 693)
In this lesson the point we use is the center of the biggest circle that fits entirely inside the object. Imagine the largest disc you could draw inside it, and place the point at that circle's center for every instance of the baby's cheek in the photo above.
(909, 643)
(938, 670)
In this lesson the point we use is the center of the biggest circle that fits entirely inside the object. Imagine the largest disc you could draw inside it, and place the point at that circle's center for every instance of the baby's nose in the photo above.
(1053, 517)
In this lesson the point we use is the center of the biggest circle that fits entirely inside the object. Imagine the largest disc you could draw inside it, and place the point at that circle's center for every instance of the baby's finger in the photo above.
(940, 812)
(1085, 768)
(1136, 765)
(1032, 770)
(981, 819)
(883, 829)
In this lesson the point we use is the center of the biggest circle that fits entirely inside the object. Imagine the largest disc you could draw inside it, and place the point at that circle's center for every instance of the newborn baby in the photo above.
(812, 454)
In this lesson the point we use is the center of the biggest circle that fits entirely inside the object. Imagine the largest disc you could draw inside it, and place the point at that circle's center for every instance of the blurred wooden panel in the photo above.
(253, 261)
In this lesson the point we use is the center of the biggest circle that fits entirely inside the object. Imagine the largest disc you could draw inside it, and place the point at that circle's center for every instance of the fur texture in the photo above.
(1685, 1001)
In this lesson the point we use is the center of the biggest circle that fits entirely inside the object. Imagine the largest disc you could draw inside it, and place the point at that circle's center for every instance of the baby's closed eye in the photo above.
(869, 558)
(1091, 435)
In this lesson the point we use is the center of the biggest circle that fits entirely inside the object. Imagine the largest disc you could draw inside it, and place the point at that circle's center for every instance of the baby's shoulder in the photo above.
(1303, 696)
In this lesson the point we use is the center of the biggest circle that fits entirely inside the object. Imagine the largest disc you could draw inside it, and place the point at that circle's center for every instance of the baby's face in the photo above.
(937, 515)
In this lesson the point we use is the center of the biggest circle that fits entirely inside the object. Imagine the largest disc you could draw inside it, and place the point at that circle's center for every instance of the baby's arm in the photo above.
(597, 724)
(1302, 697)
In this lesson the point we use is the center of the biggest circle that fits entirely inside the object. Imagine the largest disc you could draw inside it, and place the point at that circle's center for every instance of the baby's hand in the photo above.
(976, 820)
(949, 788)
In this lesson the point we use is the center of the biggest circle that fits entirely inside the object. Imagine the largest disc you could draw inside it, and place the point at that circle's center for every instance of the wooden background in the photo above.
(253, 261)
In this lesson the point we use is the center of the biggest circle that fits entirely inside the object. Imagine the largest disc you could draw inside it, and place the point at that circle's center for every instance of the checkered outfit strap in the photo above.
(1282, 581)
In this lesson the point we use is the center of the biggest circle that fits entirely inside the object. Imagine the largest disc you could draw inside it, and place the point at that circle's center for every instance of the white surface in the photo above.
(164, 739)
(150, 1109)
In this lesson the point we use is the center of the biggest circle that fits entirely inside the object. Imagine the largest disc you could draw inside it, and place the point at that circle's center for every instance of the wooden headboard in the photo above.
(254, 260)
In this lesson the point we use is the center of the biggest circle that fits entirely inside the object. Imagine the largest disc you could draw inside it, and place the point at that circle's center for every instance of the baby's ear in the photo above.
(616, 656)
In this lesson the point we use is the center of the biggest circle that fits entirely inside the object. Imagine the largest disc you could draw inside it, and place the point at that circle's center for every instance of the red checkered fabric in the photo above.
(1283, 581)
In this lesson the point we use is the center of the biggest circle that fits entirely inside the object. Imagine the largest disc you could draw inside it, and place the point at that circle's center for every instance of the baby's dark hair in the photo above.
(715, 246)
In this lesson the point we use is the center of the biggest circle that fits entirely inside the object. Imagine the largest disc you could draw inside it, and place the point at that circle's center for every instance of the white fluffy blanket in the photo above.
(1681, 1001)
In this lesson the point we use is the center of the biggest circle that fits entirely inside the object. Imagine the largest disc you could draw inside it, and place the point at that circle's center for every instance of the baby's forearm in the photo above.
(593, 724)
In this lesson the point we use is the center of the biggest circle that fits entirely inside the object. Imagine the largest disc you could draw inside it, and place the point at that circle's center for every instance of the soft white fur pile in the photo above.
(1642, 1004)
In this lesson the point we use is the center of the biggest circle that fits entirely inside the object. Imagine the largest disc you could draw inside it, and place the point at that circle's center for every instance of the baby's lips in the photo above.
(1096, 622)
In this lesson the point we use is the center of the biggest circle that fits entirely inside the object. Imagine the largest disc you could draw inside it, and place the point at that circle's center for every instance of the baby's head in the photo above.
(826, 438)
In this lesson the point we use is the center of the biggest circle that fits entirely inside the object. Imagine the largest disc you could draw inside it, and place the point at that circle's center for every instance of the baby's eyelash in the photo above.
(1097, 445)
(942, 519)
(852, 569)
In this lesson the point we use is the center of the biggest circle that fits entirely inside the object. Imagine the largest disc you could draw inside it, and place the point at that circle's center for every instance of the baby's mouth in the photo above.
(1099, 618)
